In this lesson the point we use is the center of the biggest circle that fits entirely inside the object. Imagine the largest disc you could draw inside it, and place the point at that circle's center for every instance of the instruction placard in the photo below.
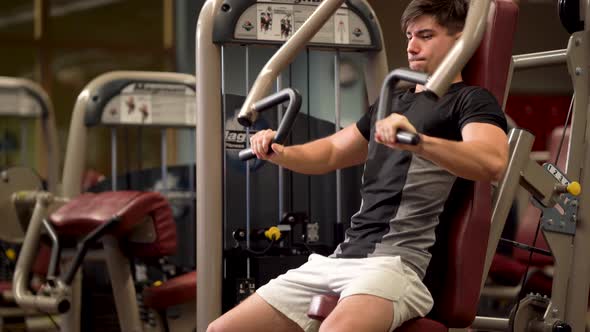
(157, 104)
(275, 22)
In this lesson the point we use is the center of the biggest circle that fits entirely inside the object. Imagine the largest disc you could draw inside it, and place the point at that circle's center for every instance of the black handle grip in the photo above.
(405, 137)
(246, 154)
(388, 87)
(294, 98)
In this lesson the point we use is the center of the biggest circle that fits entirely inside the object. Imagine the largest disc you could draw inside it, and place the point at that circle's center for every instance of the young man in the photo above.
(378, 269)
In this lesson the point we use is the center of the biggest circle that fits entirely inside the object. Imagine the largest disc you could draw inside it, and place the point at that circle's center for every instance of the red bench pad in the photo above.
(176, 291)
(85, 213)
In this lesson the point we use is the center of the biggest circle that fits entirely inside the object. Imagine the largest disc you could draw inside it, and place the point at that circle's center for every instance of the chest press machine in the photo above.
(23, 100)
(206, 308)
(128, 223)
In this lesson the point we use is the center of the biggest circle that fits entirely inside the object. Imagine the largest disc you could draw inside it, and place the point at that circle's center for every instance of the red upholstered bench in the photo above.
(130, 223)
(86, 213)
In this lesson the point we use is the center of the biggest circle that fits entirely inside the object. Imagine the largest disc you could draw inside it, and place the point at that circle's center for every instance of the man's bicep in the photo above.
(488, 134)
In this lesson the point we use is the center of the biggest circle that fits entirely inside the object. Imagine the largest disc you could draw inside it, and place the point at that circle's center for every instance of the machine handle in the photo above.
(294, 98)
(389, 85)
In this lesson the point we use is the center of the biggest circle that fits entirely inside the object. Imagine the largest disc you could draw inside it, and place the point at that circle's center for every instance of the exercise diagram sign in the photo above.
(275, 22)
(278, 22)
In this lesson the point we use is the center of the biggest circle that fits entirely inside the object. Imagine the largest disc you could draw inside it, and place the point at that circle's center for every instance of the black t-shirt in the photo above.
(403, 194)
(461, 105)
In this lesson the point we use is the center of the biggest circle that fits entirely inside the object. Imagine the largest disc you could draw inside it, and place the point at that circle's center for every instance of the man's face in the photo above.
(428, 43)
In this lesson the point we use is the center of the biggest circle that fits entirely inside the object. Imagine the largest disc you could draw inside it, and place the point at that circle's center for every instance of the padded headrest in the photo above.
(490, 63)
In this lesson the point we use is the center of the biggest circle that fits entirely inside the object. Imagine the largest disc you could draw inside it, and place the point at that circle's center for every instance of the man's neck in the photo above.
(420, 88)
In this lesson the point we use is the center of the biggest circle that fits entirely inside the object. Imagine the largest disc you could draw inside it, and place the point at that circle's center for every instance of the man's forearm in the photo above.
(310, 158)
(473, 160)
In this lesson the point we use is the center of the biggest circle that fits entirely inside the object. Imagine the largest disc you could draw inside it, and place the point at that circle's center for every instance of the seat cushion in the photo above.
(422, 325)
(85, 213)
(321, 306)
(176, 291)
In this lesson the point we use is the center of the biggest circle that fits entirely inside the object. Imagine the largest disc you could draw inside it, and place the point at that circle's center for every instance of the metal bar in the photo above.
(23, 144)
(20, 286)
(224, 160)
(113, 159)
(578, 168)
(539, 59)
(281, 175)
(164, 160)
(122, 284)
(526, 247)
(248, 173)
(455, 60)
(209, 168)
(55, 249)
(577, 67)
(490, 323)
(4, 145)
(560, 245)
(337, 112)
(89, 240)
(521, 143)
(376, 68)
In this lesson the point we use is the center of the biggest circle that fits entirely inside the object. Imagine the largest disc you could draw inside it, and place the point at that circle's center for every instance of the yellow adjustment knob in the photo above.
(574, 188)
(10, 254)
(273, 233)
(157, 283)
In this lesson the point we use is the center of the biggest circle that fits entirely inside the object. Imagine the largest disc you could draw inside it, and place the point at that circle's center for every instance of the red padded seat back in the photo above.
(489, 66)
(86, 212)
(455, 272)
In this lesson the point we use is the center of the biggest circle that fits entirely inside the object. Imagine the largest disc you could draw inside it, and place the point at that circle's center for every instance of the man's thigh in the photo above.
(367, 313)
(253, 315)
(291, 293)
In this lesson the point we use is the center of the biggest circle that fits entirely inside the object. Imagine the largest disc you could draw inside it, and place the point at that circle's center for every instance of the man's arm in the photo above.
(343, 149)
(482, 155)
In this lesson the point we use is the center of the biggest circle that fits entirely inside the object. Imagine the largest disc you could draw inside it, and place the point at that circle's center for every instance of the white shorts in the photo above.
(385, 277)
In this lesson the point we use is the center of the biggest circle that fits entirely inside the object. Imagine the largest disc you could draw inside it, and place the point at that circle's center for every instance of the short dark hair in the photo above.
(450, 14)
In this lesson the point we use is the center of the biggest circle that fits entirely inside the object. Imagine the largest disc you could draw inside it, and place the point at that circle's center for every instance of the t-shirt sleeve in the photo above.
(481, 106)
(364, 123)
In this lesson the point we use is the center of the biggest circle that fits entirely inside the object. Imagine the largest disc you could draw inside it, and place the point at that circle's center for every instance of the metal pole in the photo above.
(281, 176)
(337, 112)
(113, 158)
(539, 59)
(164, 160)
(23, 144)
(248, 163)
(209, 169)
